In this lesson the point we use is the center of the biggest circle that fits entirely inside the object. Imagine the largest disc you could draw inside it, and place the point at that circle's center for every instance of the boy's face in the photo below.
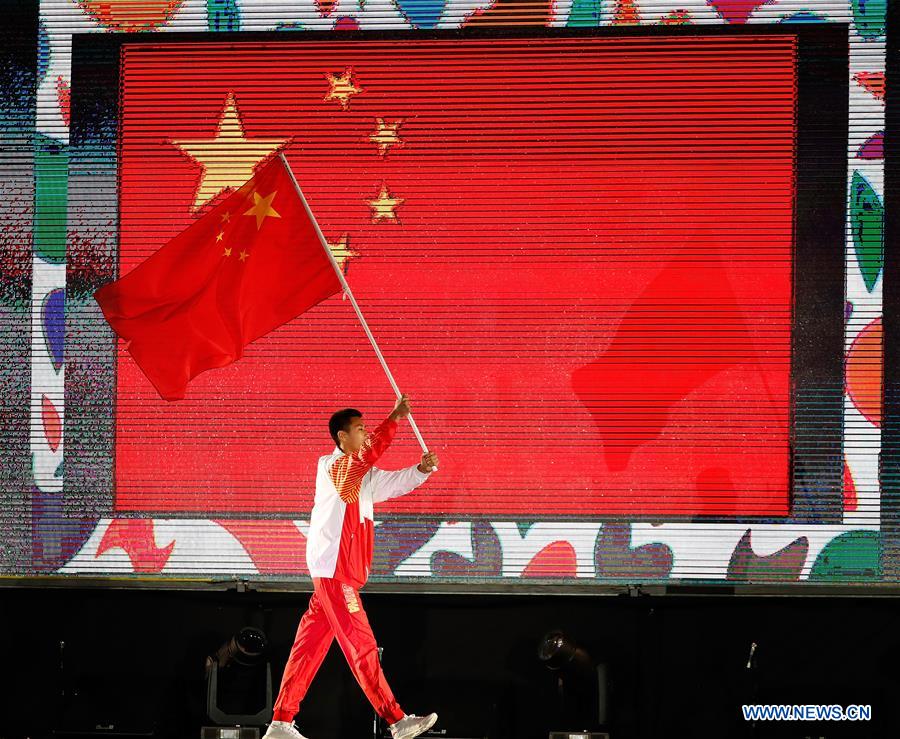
(354, 438)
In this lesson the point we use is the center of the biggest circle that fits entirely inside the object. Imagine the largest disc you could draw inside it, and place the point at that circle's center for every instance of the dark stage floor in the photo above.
(133, 660)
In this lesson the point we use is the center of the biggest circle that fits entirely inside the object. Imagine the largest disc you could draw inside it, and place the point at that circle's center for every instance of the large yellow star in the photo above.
(384, 207)
(386, 135)
(342, 252)
(342, 88)
(227, 160)
(262, 208)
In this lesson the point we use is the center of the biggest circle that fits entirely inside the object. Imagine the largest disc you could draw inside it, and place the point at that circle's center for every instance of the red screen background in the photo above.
(587, 290)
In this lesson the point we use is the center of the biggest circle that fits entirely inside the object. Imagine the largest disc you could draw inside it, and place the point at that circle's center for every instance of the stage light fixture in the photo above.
(246, 648)
(558, 652)
(238, 686)
(581, 683)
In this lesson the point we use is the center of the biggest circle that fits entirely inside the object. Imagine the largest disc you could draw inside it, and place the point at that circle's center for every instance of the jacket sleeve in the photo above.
(387, 485)
(348, 471)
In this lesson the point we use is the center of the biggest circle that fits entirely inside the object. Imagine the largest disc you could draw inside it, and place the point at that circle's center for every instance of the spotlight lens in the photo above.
(251, 642)
(552, 649)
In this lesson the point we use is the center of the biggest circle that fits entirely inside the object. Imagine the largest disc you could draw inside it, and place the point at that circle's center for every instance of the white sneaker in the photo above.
(412, 725)
(282, 730)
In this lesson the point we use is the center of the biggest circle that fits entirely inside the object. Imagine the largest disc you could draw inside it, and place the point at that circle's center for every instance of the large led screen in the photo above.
(556, 242)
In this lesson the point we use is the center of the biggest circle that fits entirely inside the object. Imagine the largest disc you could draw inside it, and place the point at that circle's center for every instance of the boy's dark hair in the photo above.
(340, 421)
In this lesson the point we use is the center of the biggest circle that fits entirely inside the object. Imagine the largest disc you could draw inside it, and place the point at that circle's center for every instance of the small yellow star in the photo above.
(342, 252)
(342, 88)
(243, 256)
(226, 216)
(220, 236)
(261, 208)
(227, 252)
(386, 135)
(383, 208)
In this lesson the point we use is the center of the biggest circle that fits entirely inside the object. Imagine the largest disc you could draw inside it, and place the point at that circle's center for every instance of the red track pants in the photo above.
(335, 610)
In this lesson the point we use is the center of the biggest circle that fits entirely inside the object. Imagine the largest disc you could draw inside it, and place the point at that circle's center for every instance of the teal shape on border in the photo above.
(851, 557)
(804, 16)
(223, 15)
(584, 14)
(524, 527)
(867, 227)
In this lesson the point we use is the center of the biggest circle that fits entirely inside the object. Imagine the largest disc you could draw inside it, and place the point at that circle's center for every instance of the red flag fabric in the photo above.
(246, 267)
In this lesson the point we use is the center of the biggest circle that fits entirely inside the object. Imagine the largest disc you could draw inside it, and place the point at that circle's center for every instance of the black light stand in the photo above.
(236, 700)
(581, 685)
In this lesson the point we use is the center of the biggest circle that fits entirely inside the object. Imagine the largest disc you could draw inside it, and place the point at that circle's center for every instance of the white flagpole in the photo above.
(349, 294)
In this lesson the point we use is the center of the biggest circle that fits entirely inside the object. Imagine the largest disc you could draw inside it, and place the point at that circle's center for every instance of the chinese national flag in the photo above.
(244, 268)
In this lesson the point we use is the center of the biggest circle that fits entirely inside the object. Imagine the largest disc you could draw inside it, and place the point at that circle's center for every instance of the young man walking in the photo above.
(339, 554)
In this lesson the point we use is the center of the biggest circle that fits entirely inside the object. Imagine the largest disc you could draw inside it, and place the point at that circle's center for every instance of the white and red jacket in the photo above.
(342, 527)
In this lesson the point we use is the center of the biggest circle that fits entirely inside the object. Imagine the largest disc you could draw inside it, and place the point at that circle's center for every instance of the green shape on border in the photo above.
(851, 557)
(584, 14)
(867, 226)
(870, 17)
(51, 194)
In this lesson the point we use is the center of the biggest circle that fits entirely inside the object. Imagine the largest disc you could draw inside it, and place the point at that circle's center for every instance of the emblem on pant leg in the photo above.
(351, 599)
